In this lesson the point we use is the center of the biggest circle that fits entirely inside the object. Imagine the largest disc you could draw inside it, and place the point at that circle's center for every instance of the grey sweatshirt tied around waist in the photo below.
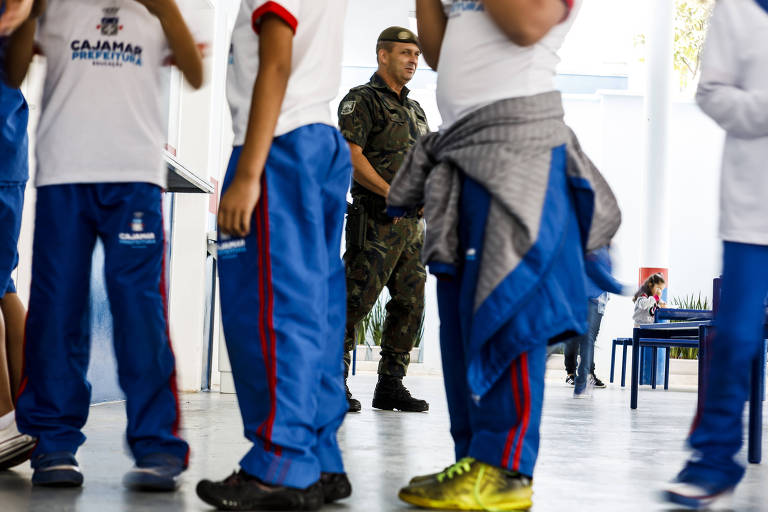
(507, 148)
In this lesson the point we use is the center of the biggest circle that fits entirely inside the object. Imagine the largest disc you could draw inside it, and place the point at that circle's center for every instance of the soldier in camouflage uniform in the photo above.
(381, 124)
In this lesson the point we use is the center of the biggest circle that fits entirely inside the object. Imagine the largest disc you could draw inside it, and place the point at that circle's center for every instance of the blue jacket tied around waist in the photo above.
(512, 149)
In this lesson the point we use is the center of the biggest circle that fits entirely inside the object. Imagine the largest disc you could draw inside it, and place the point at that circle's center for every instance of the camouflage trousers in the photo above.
(391, 257)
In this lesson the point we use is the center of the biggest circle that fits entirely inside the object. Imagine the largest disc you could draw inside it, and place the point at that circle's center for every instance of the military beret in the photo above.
(399, 35)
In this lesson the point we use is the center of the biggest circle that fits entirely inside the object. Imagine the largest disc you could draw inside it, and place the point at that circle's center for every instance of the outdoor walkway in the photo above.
(596, 455)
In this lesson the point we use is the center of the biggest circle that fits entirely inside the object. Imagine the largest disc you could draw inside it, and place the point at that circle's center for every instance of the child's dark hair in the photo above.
(647, 286)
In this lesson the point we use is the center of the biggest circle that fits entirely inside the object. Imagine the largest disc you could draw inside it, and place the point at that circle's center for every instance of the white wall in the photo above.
(205, 141)
(612, 129)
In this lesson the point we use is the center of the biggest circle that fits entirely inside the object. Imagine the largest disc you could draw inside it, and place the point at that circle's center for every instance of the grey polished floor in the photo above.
(595, 455)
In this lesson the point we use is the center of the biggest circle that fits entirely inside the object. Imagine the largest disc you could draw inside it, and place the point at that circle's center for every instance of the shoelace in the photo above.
(465, 466)
(476, 490)
(461, 467)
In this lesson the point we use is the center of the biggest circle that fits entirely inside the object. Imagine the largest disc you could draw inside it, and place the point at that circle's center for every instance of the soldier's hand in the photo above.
(237, 205)
(16, 13)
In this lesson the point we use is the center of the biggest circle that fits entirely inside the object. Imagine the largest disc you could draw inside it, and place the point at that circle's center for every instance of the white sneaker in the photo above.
(693, 497)
(15, 447)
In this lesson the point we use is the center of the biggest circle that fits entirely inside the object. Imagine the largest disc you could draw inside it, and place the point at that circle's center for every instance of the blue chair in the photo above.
(624, 342)
(680, 315)
(688, 315)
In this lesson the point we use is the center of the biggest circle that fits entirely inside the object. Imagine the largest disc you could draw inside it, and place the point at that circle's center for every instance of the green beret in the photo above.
(399, 35)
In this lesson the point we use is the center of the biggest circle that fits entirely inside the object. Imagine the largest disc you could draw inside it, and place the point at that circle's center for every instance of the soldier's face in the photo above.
(402, 61)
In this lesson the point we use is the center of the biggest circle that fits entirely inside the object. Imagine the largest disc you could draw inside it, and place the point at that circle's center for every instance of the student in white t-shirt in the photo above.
(100, 175)
(733, 91)
(282, 281)
(495, 61)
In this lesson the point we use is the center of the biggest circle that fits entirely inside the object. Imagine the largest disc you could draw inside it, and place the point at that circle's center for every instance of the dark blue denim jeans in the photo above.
(586, 345)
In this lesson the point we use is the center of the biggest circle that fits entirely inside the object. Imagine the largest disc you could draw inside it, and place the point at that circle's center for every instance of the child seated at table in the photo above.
(647, 299)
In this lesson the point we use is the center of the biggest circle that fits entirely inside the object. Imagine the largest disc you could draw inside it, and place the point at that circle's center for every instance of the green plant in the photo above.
(371, 327)
(691, 301)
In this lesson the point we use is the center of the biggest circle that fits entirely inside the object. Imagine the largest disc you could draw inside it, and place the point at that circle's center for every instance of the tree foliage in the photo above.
(691, 22)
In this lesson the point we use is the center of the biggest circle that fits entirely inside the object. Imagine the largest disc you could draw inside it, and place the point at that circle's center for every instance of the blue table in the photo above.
(682, 334)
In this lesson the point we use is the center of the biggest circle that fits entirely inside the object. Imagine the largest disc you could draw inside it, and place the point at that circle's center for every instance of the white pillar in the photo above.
(655, 247)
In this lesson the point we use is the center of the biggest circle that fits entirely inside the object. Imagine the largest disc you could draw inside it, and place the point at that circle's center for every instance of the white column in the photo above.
(655, 247)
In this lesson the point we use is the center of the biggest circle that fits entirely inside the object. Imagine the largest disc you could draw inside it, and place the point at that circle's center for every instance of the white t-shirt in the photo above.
(318, 26)
(733, 90)
(102, 106)
(480, 65)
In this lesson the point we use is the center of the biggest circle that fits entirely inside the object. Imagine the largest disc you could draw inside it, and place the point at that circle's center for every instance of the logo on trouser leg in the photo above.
(230, 247)
(137, 236)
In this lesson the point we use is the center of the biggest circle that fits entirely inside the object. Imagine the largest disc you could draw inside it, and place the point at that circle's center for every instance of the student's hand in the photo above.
(237, 206)
(16, 13)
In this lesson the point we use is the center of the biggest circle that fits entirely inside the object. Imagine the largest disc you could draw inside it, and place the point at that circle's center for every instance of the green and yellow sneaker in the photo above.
(471, 485)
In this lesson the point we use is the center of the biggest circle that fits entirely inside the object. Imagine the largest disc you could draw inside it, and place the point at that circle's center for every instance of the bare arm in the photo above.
(275, 54)
(431, 25)
(365, 174)
(16, 13)
(186, 54)
(21, 46)
(21, 49)
(526, 22)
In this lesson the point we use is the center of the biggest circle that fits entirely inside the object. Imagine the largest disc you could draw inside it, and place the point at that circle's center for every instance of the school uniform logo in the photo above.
(110, 23)
(137, 224)
(458, 7)
(230, 247)
(110, 52)
(136, 236)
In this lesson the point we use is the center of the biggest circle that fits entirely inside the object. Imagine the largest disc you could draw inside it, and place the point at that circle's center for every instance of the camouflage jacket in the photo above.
(384, 124)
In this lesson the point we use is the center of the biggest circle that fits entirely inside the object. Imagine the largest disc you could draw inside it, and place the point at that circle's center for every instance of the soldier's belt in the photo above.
(375, 208)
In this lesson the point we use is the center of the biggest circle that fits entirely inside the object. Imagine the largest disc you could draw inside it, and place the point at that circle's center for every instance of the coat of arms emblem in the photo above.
(110, 23)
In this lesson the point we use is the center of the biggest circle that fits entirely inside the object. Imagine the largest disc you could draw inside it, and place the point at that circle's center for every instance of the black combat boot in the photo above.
(354, 403)
(391, 394)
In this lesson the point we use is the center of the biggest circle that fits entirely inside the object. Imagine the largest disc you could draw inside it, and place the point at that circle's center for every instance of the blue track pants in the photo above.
(55, 396)
(717, 431)
(283, 302)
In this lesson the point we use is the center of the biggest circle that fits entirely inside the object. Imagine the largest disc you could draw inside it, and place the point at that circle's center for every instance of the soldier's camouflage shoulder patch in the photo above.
(348, 107)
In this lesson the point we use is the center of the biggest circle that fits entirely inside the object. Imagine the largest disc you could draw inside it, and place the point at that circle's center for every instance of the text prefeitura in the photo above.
(106, 50)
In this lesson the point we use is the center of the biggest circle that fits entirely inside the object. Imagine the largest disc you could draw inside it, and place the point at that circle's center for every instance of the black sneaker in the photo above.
(570, 379)
(353, 403)
(56, 469)
(336, 486)
(596, 383)
(391, 394)
(241, 491)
